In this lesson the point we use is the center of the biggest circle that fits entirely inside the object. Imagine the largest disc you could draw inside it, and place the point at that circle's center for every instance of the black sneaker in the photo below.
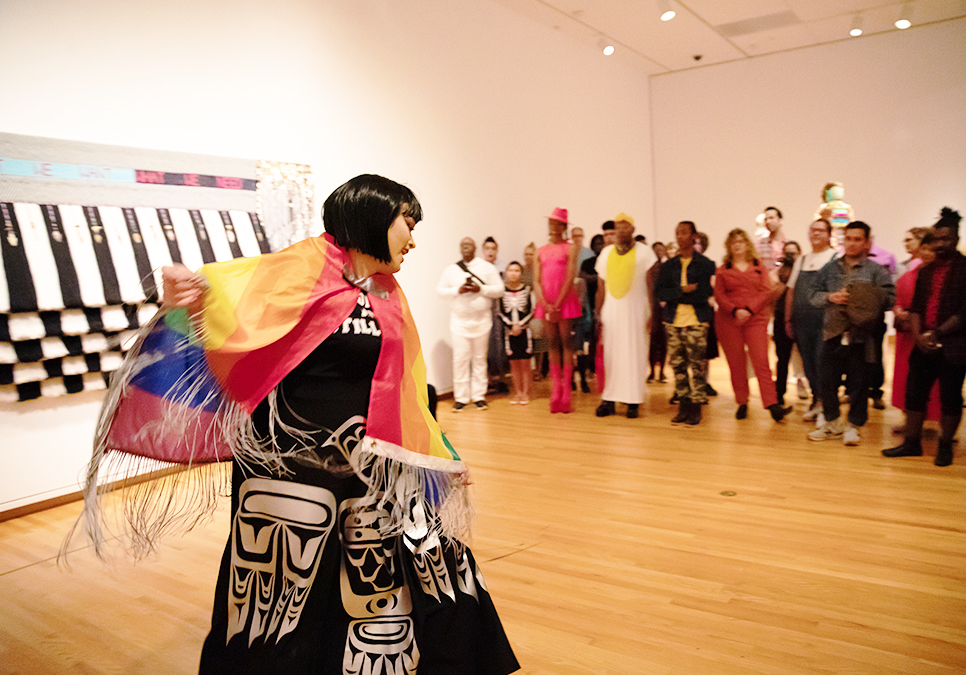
(777, 412)
(605, 409)
(480, 405)
(709, 390)
(458, 406)
(632, 411)
(905, 450)
(742, 412)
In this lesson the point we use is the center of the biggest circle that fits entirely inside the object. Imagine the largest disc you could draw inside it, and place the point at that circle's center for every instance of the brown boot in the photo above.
(944, 455)
(684, 412)
(694, 418)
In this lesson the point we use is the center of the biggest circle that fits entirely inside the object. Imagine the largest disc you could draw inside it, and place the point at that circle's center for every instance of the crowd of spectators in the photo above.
(615, 312)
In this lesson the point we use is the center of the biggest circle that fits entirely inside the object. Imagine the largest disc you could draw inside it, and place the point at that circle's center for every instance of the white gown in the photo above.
(624, 318)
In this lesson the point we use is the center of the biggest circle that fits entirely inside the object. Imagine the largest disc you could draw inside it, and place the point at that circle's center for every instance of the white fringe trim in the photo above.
(399, 487)
(404, 490)
(144, 511)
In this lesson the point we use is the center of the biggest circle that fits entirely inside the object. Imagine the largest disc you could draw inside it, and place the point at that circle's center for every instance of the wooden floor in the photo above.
(609, 545)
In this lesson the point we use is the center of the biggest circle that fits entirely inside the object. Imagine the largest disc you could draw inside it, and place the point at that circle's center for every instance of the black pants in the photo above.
(924, 370)
(848, 360)
(783, 348)
(876, 369)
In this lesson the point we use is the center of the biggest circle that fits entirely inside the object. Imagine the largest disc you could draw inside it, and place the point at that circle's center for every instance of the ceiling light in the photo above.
(856, 29)
(664, 7)
(605, 46)
(905, 17)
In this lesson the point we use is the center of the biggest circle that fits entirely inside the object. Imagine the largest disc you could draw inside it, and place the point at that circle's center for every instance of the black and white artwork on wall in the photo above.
(85, 233)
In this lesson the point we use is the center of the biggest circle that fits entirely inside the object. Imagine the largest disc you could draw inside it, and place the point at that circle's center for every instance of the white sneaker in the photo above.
(812, 414)
(827, 431)
(851, 436)
(820, 420)
(802, 389)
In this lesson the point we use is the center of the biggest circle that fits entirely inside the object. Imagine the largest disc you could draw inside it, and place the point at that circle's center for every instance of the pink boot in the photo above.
(563, 401)
(554, 388)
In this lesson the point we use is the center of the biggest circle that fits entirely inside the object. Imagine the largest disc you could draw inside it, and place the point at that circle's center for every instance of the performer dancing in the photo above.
(345, 554)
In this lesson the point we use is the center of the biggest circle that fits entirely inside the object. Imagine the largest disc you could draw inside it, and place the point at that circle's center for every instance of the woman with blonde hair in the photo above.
(529, 260)
(744, 293)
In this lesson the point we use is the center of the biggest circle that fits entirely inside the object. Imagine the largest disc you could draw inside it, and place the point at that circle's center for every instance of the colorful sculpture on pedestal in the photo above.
(835, 210)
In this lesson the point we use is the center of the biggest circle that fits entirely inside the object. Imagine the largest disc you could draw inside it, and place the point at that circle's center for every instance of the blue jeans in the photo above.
(808, 337)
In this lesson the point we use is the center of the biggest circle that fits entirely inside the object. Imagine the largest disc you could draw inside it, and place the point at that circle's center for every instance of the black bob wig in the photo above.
(359, 213)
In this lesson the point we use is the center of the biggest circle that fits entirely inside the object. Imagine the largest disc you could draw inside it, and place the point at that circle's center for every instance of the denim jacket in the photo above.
(835, 276)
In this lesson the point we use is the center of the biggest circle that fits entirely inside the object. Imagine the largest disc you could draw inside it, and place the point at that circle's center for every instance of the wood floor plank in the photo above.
(610, 546)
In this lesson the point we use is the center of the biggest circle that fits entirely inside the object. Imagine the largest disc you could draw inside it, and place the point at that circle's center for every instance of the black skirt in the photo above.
(309, 584)
(520, 346)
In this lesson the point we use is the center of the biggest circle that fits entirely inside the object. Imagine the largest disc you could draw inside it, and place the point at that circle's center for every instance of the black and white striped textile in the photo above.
(76, 282)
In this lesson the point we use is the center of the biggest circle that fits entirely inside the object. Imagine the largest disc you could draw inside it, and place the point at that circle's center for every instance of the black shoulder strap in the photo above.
(462, 266)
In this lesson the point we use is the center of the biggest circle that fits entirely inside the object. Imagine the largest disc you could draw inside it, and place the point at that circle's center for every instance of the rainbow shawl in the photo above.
(185, 394)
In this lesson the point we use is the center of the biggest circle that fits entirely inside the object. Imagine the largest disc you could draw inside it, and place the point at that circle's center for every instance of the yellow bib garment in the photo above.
(620, 272)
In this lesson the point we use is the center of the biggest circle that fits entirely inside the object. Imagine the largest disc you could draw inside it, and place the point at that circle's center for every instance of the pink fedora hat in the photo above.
(558, 214)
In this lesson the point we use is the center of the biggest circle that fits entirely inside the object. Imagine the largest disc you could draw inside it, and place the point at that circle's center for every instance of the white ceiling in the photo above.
(721, 30)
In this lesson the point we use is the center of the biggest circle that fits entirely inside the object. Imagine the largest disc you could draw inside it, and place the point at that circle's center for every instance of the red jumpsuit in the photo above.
(751, 290)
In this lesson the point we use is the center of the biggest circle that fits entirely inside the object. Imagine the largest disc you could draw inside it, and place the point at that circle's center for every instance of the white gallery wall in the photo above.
(490, 117)
(884, 114)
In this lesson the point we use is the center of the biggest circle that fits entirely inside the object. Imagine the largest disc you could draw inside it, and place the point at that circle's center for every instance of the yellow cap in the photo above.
(623, 216)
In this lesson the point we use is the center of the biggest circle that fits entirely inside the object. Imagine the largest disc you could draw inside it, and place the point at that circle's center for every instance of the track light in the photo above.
(905, 17)
(856, 29)
(605, 46)
(664, 7)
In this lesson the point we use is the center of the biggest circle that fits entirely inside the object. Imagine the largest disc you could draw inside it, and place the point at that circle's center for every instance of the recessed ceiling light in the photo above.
(856, 29)
(905, 17)
(664, 7)
(605, 45)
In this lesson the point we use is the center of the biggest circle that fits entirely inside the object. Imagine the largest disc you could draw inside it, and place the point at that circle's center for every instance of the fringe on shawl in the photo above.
(188, 493)
(410, 494)
(440, 498)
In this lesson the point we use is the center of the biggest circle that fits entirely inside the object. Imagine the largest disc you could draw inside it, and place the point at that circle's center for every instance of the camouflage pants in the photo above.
(687, 346)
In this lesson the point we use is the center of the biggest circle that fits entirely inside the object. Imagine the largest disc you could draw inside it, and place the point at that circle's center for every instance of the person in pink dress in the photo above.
(557, 305)
(905, 287)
